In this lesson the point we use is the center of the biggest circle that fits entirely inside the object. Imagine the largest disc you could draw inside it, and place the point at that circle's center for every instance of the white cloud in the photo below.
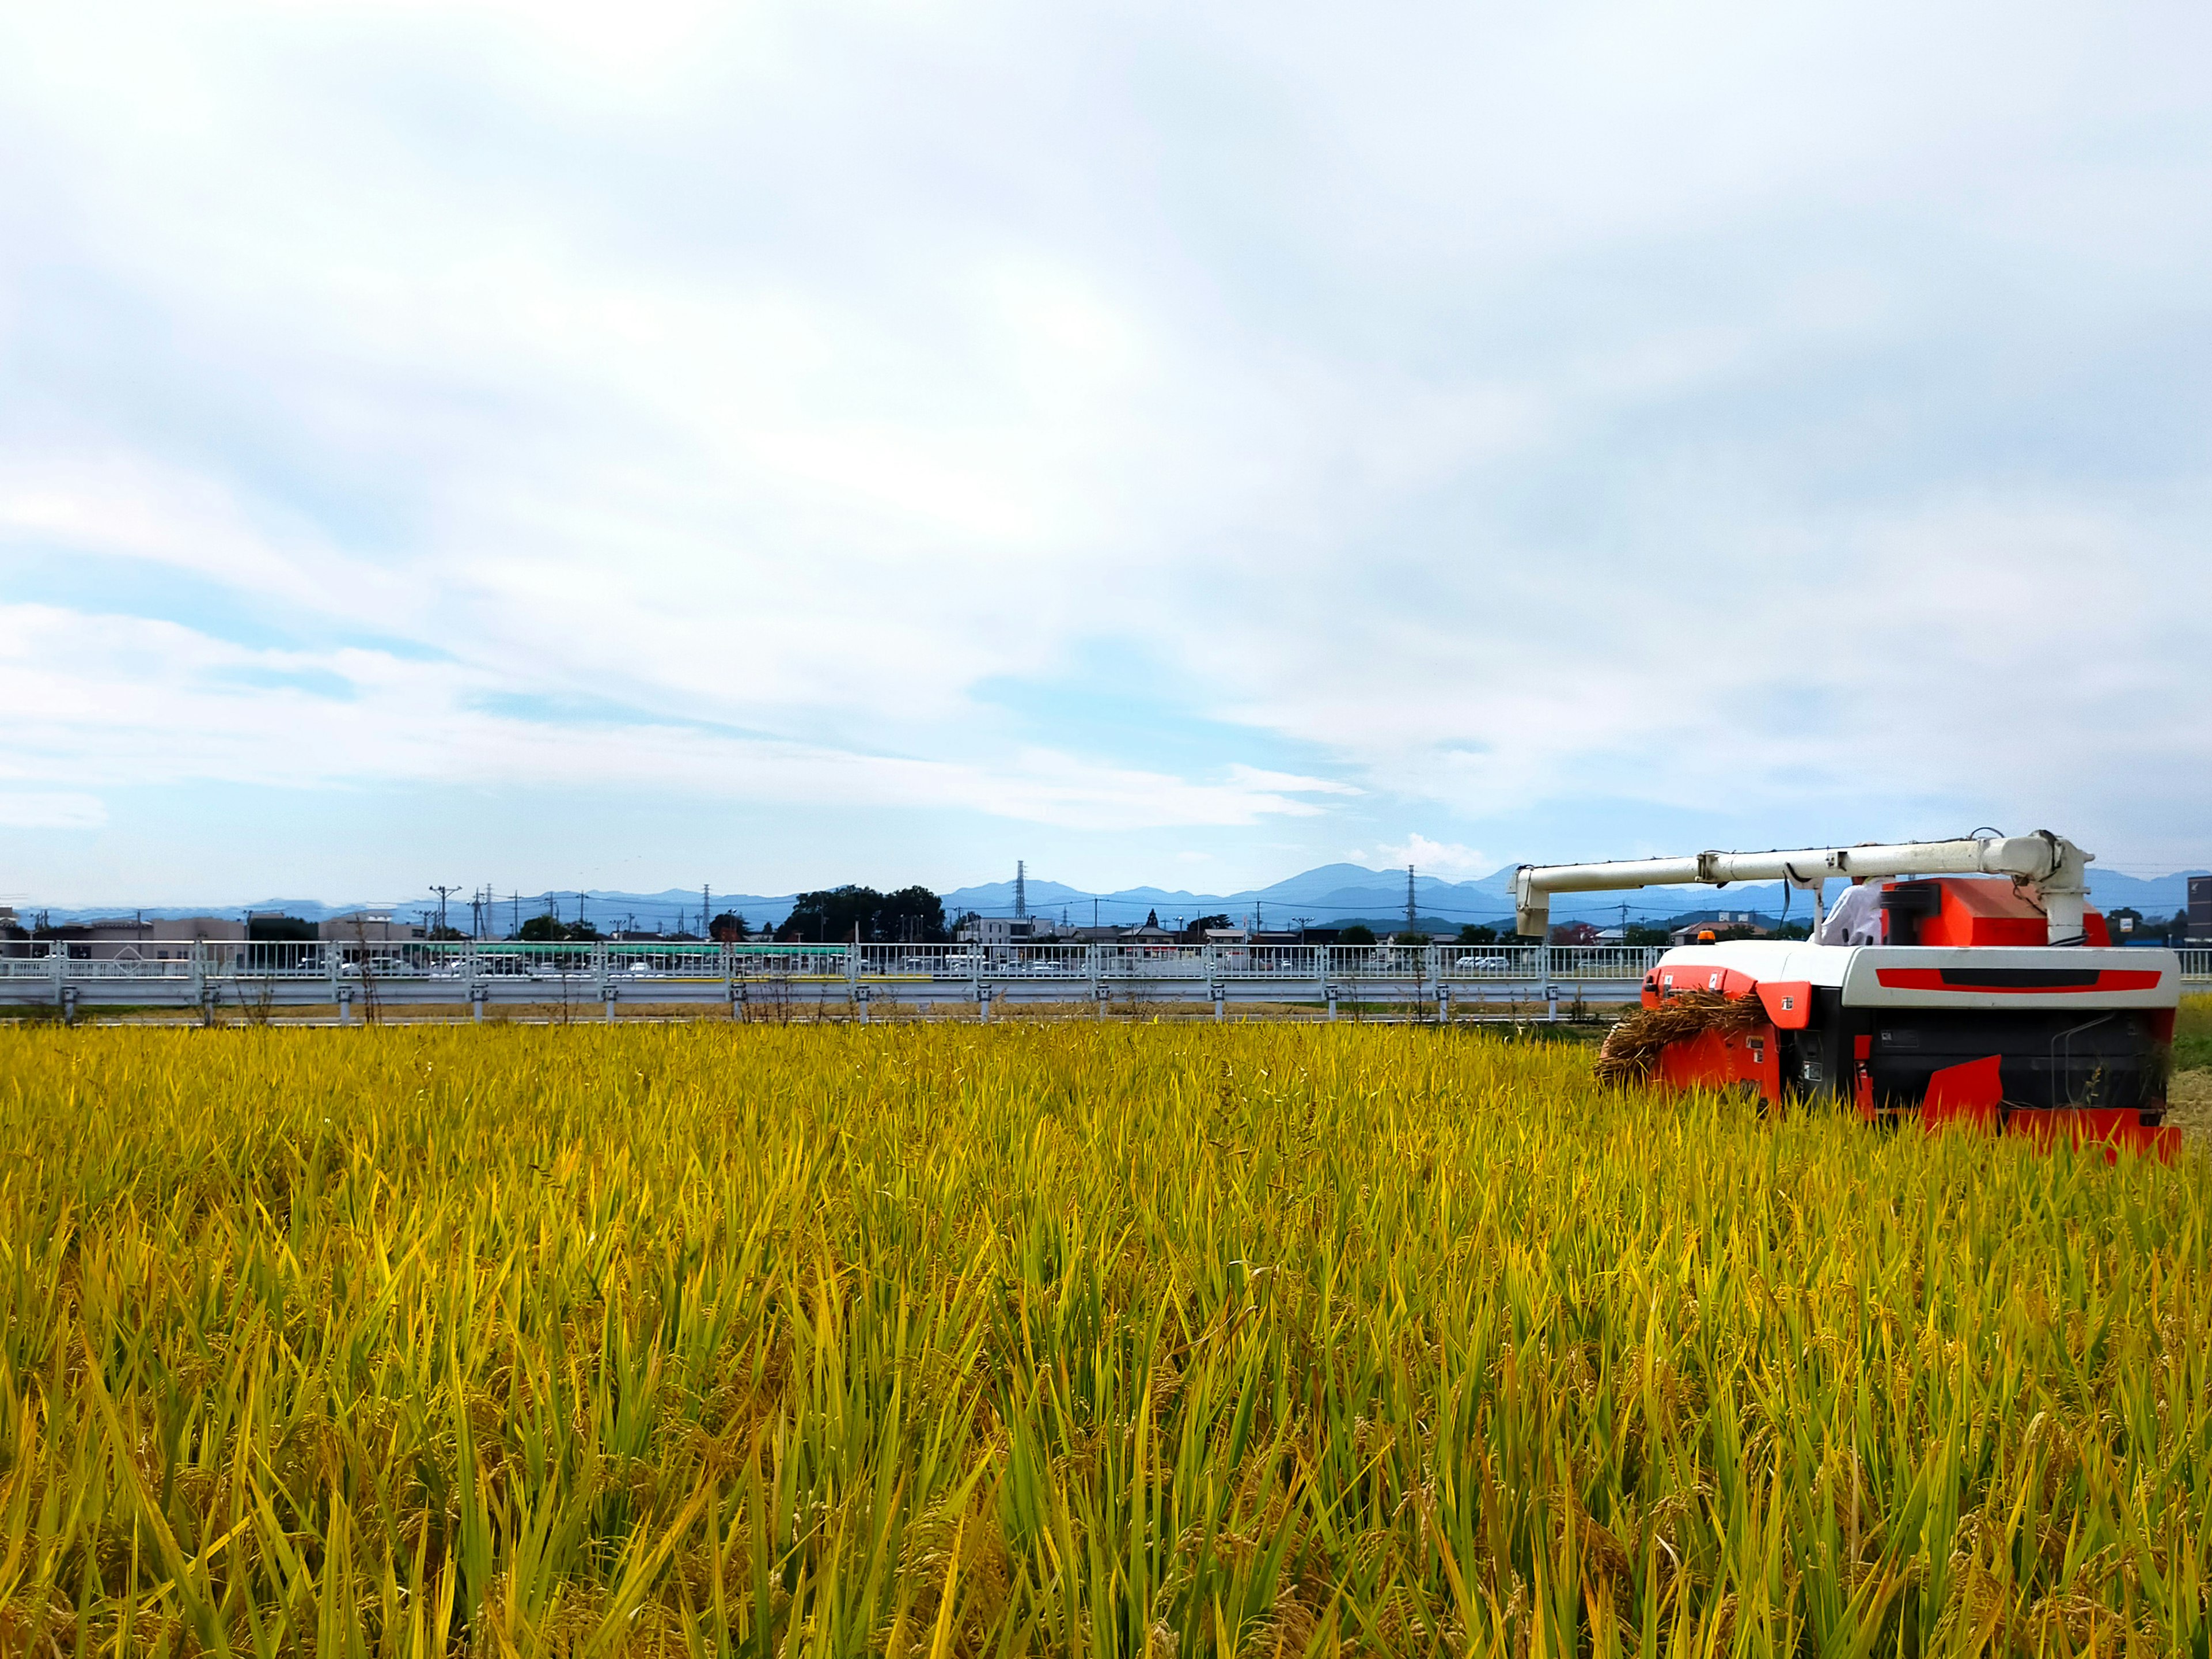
(1488, 411)
(111, 701)
(1435, 858)
(37, 809)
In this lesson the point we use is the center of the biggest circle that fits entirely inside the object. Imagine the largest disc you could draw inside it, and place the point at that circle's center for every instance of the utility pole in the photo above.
(442, 892)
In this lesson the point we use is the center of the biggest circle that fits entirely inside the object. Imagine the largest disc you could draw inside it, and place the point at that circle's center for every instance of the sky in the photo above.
(778, 445)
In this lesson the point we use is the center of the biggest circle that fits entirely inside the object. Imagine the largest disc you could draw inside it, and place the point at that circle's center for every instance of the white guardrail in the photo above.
(418, 971)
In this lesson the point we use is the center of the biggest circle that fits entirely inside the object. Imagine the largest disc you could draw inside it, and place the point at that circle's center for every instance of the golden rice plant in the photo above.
(1071, 1338)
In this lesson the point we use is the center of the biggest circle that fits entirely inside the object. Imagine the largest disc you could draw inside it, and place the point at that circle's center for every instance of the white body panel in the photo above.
(1856, 970)
(1693, 965)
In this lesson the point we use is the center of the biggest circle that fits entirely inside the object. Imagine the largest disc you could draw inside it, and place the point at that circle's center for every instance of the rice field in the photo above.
(1065, 1339)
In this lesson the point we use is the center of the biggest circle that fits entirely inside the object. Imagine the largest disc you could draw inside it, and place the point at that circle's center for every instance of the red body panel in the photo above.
(1979, 910)
(1932, 979)
(2089, 1126)
(1971, 1093)
(1715, 1060)
(1788, 1003)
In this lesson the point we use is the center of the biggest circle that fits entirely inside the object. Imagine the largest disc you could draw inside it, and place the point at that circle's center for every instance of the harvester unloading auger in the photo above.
(1995, 997)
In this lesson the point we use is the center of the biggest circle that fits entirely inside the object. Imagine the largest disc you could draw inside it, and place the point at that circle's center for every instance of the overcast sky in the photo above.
(784, 445)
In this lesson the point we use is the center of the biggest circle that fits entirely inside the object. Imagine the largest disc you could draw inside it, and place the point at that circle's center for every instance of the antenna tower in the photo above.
(1021, 889)
(1412, 911)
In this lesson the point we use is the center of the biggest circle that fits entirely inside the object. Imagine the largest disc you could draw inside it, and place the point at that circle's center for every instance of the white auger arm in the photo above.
(2058, 869)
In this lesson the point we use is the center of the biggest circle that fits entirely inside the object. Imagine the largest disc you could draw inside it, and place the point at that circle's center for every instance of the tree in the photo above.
(1638, 933)
(1472, 934)
(910, 915)
(1195, 933)
(551, 930)
(279, 928)
(1358, 933)
(728, 928)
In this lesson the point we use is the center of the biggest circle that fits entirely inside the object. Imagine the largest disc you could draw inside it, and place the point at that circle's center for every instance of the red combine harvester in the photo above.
(1994, 998)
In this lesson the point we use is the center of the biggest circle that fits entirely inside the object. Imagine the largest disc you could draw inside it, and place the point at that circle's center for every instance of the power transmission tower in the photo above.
(706, 903)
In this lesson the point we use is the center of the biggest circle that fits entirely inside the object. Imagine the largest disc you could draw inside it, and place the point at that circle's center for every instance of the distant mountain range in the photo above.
(1330, 895)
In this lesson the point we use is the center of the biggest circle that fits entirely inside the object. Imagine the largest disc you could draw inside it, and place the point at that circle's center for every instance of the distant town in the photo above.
(857, 914)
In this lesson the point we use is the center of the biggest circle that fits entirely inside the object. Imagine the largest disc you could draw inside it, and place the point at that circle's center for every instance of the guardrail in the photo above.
(291, 972)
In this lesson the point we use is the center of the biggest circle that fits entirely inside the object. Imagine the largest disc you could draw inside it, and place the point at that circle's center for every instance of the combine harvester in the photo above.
(1994, 998)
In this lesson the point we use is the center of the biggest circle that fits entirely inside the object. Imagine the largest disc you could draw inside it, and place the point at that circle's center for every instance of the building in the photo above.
(368, 927)
(142, 938)
(1007, 930)
(2200, 910)
(1722, 924)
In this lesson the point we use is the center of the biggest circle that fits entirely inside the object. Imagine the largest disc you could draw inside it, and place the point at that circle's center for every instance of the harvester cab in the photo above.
(1995, 997)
